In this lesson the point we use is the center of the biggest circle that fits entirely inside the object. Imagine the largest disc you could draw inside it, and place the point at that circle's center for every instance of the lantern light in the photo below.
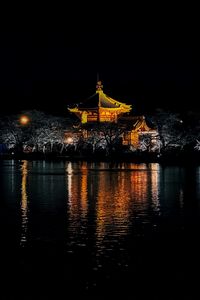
(24, 120)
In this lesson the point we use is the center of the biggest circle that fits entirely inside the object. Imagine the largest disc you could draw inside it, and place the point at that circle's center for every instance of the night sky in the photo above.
(49, 69)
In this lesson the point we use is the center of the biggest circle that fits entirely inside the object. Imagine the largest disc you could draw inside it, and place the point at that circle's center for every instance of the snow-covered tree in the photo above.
(11, 133)
(42, 133)
(45, 131)
(104, 135)
(171, 130)
(197, 146)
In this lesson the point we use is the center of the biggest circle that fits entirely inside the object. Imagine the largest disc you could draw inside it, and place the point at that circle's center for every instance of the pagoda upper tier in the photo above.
(100, 107)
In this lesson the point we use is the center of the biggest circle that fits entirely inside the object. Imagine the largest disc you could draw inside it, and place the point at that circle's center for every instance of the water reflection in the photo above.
(12, 176)
(112, 195)
(84, 189)
(125, 195)
(118, 225)
(69, 180)
(24, 202)
(113, 202)
(155, 188)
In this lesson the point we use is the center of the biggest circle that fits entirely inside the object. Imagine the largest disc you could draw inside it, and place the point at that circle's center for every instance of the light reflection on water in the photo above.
(24, 202)
(110, 198)
(102, 216)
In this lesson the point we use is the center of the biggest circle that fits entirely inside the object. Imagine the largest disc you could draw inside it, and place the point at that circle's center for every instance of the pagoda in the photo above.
(100, 108)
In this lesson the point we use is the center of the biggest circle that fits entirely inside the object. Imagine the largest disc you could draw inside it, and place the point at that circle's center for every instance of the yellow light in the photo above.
(24, 120)
(69, 140)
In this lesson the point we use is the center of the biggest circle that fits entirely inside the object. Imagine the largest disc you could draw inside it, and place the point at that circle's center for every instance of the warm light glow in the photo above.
(69, 140)
(69, 172)
(115, 194)
(24, 201)
(107, 106)
(24, 120)
(84, 189)
(84, 117)
(155, 173)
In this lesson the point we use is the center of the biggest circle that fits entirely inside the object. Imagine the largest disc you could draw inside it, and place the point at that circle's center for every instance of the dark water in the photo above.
(99, 231)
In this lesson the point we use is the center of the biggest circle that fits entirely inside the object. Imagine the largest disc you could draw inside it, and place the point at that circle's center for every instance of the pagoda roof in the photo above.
(101, 100)
(135, 122)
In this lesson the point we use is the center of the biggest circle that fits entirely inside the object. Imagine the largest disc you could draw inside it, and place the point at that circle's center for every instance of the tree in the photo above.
(42, 133)
(45, 131)
(104, 135)
(149, 143)
(11, 133)
(171, 130)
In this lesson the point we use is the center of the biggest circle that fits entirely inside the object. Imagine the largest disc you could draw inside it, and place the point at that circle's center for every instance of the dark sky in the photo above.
(147, 68)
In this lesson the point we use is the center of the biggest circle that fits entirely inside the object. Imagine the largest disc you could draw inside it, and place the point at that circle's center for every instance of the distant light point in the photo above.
(24, 120)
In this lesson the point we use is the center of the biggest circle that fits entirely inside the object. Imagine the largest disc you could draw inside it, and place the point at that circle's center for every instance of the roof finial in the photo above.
(99, 86)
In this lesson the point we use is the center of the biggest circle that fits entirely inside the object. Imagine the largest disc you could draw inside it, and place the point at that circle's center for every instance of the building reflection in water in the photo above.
(113, 203)
(125, 194)
(24, 202)
(113, 196)
(84, 189)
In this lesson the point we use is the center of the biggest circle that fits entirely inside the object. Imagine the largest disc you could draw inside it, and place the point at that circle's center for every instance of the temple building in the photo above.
(136, 129)
(101, 108)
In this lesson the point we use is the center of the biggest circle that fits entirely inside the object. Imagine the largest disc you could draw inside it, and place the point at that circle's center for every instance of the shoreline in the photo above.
(133, 158)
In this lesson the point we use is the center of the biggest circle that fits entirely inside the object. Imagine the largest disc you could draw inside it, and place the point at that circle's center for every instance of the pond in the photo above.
(94, 230)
